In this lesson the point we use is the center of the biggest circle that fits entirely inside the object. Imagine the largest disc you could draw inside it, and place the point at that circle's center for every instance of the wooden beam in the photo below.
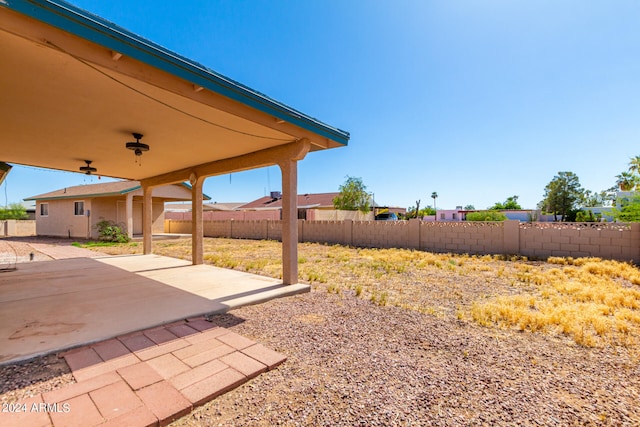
(271, 156)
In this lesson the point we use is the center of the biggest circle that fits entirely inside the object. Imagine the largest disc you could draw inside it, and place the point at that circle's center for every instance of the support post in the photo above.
(128, 211)
(289, 170)
(197, 234)
(147, 218)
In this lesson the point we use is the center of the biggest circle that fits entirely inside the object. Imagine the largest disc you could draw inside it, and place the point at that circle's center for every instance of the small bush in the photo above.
(110, 232)
(486, 216)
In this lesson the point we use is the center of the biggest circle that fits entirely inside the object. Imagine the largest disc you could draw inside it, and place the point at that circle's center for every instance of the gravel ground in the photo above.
(352, 362)
(15, 251)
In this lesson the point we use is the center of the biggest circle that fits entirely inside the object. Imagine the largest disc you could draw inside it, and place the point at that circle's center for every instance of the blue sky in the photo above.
(477, 100)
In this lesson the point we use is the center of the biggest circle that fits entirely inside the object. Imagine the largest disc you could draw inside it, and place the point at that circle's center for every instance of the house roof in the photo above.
(89, 84)
(186, 206)
(318, 200)
(105, 189)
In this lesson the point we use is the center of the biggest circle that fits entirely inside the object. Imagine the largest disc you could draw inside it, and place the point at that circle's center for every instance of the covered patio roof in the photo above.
(75, 87)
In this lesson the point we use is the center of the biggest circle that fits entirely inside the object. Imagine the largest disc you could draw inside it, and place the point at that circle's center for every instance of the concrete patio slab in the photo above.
(55, 305)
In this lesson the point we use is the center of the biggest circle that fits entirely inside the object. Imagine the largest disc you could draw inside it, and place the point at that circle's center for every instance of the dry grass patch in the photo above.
(593, 301)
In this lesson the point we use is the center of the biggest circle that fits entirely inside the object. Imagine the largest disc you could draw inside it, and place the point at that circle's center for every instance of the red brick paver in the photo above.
(165, 402)
(115, 399)
(24, 413)
(140, 375)
(265, 355)
(160, 335)
(147, 378)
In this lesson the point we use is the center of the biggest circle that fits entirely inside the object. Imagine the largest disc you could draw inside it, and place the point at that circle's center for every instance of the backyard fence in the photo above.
(619, 241)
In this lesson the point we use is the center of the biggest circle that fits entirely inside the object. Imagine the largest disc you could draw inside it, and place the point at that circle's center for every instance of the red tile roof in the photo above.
(319, 200)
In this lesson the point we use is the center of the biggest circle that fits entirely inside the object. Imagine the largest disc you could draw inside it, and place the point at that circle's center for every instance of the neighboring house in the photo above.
(449, 215)
(318, 206)
(446, 215)
(210, 212)
(75, 211)
(206, 207)
(311, 207)
(305, 201)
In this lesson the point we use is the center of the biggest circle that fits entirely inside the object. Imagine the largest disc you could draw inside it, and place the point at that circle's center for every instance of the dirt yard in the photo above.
(395, 337)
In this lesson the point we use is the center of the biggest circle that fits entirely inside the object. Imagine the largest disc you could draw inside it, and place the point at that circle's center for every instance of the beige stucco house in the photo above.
(75, 211)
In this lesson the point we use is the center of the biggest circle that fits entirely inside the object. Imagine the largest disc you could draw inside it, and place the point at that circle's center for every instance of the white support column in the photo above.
(147, 219)
(128, 211)
(197, 229)
(289, 170)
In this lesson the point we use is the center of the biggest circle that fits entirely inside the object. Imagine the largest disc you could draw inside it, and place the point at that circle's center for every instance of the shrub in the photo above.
(486, 216)
(110, 232)
(13, 211)
(588, 216)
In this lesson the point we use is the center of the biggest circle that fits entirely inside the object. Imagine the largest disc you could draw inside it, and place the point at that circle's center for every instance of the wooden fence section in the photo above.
(540, 240)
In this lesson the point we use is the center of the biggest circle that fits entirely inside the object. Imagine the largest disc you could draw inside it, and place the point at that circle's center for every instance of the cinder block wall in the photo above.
(462, 237)
(380, 234)
(604, 240)
(323, 232)
(539, 240)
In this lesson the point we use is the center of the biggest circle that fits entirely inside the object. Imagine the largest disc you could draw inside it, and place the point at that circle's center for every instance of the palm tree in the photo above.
(434, 196)
(626, 181)
(634, 165)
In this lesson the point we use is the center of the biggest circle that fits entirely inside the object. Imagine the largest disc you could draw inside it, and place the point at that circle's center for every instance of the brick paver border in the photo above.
(147, 378)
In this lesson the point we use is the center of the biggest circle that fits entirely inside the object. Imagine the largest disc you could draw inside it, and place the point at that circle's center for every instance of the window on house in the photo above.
(78, 208)
(44, 209)
(441, 216)
(454, 216)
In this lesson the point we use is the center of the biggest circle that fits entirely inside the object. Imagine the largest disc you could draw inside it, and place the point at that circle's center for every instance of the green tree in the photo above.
(587, 216)
(603, 198)
(486, 216)
(510, 204)
(427, 211)
(469, 208)
(411, 212)
(634, 165)
(353, 196)
(627, 181)
(13, 211)
(630, 212)
(562, 195)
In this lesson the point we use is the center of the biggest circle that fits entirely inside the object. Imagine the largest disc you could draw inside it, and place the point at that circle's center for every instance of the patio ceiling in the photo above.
(74, 88)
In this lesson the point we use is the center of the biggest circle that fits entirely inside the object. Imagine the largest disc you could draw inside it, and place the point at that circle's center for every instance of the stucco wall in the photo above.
(539, 240)
(337, 215)
(61, 220)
